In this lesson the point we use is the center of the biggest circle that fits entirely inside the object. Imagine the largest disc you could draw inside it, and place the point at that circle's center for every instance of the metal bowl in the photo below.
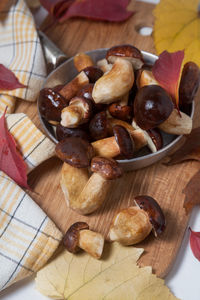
(66, 72)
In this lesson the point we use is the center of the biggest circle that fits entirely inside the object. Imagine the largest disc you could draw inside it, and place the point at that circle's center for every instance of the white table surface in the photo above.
(183, 279)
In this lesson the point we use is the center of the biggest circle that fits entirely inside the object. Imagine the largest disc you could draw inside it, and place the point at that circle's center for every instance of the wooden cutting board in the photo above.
(159, 181)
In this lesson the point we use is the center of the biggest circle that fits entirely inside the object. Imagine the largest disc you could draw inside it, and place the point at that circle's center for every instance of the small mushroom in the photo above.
(114, 84)
(99, 126)
(120, 112)
(64, 132)
(78, 236)
(82, 61)
(86, 92)
(51, 104)
(133, 224)
(127, 52)
(152, 136)
(75, 151)
(104, 65)
(93, 73)
(124, 141)
(152, 106)
(71, 88)
(189, 84)
(107, 168)
(78, 112)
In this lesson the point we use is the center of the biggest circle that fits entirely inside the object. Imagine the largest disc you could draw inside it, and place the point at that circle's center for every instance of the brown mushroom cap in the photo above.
(75, 151)
(154, 212)
(128, 52)
(189, 84)
(86, 92)
(64, 132)
(152, 106)
(124, 141)
(120, 112)
(99, 126)
(93, 73)
(51, 104)
(156, 137)
(71, 237)
(108, 168)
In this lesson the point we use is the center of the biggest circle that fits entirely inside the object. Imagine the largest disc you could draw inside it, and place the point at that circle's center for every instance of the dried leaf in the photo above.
(116, 277)
(11, 162)
(167, 71)
(104, 10)
(176, 27)
(8, 80)
(189, 150)
(192, 192)
(195, 243)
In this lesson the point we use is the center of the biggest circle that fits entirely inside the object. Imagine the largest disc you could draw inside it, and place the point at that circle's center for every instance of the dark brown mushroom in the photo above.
(189, 84)
(71, 237)
(124, 141)
(86, 92)
(93, 73)
(51, 104)
(152, 106)
(156, 137)
(79, 236)
(108, 168)
(99, 126)
(154, 211)
(128, 52)
(64, 132)
(75, 151)
(120, 112)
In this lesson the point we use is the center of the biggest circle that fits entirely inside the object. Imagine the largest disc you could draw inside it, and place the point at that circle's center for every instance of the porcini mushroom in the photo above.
(114, 84)
(51, 104)
(127, 52)
(75, 151)
(64, 132)
(124, 141)
(93, 73)
(152, 106)
(78, 112)
(99, 126)
(78, 236)
(104, 65)
(133, 224)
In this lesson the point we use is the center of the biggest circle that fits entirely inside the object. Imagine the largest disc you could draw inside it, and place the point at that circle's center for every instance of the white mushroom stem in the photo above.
(91, 242)
(71, 116)
(114, 84)
(82, 61)
(104, 65)
(146, 78)
(71, 88)
(107, 147)
(178, 123)
(124, 100)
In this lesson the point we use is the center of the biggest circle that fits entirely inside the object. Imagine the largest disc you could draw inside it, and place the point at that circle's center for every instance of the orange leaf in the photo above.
(192, 192)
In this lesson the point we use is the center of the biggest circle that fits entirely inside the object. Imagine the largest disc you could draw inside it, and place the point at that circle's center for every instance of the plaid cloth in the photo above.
(20, 51)
(34, 146)
(28, 238)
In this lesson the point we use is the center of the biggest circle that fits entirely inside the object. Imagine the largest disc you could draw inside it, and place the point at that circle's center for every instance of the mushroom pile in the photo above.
(110, 111)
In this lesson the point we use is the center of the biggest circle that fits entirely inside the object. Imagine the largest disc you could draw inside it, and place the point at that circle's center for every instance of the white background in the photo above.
(183, 279)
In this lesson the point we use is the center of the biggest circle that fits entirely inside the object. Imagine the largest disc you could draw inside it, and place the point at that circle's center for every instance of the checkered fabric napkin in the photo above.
(28, 238)
(20, 51)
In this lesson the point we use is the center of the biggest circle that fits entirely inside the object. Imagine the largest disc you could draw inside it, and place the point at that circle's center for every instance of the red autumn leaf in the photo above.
(192, 192)
(167, 71)
(11, 162)
(195, 243)
(8, 80)
(104, 10)
(190, 150)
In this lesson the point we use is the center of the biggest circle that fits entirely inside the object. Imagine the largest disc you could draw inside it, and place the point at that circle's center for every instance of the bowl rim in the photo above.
(150, 56)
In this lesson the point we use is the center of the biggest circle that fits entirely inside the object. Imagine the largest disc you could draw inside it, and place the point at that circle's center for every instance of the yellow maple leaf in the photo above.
(177, 27)
(115, 277)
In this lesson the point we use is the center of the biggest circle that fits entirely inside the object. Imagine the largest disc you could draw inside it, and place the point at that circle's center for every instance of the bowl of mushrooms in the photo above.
(107, 103)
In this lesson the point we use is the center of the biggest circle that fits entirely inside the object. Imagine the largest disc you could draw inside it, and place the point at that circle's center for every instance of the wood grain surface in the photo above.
(159, 181)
